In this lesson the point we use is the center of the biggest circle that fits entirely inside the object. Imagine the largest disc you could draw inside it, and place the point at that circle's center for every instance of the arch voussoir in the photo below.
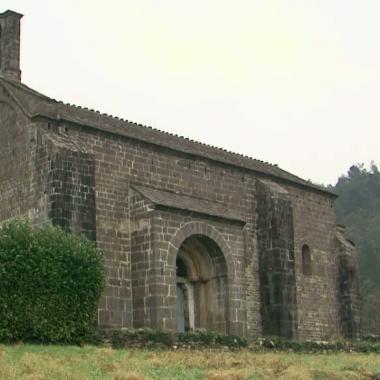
(203, 258)
(205, 229)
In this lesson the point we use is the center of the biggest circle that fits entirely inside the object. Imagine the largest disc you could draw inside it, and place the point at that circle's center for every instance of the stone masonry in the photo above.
(193, 236)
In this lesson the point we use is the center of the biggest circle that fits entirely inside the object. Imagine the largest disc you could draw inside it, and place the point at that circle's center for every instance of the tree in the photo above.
(358, 207)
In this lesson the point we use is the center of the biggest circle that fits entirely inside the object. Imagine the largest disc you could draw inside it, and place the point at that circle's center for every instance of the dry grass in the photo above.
(74, 363)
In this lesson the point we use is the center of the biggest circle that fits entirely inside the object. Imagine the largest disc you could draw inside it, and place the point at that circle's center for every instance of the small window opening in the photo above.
(306, 260)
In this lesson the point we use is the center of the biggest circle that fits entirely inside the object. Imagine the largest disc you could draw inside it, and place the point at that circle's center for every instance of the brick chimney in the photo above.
(10, 45)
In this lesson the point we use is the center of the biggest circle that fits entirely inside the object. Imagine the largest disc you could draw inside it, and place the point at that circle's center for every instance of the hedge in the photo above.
(153, 339)
(350, 346)
(201, 339)
(51, 282)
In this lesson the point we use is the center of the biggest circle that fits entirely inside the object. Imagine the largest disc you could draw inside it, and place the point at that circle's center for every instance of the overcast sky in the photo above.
(295, 83)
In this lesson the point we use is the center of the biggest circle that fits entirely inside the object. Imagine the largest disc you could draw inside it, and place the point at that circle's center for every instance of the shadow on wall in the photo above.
(202, 285)
(275, 235)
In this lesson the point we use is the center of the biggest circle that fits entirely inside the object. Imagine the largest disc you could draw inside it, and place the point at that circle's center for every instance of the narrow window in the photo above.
(306, 260)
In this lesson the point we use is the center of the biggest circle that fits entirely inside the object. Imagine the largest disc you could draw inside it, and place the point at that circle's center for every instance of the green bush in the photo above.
(139, 338)
(149, 338)
(206, 338)
(51, 282)
(280, 344)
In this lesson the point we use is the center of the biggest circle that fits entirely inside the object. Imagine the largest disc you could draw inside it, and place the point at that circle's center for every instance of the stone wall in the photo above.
(142, 258)
(229, 239)
(16, 165)
(275, 235)
(120, 162)
(124, 161)
(71, 188)
(84, 179)
(315, 226)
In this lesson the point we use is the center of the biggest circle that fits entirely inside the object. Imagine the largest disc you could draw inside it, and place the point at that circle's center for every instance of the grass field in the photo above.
(35, 362)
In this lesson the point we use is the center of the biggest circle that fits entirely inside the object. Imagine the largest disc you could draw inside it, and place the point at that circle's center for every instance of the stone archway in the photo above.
(202, 279)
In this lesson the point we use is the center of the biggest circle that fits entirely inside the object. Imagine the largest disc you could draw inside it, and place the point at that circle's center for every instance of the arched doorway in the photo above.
(202, 285)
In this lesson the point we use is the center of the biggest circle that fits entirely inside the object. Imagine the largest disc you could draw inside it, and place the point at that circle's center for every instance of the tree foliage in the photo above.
(51, 282)
(358, 207)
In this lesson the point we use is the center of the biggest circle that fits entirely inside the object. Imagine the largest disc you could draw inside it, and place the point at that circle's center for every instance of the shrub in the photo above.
(206, 338)
(148, 338)
(51, 282)
(143, 337)
(281, 344)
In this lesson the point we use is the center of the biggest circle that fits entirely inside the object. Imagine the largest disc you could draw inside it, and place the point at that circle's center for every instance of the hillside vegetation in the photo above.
(358, 207)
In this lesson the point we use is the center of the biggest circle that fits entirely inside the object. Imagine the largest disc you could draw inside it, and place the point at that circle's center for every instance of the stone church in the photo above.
(194, 236)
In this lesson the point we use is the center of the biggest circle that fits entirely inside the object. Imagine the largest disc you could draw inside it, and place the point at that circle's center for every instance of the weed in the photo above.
(39, 362)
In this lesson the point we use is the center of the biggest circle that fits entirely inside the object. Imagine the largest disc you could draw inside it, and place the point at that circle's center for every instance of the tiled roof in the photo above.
(35, 104)
(188, 203)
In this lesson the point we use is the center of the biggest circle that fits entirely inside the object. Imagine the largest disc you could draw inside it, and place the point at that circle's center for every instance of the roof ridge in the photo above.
(136, 124)
(156, 136)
